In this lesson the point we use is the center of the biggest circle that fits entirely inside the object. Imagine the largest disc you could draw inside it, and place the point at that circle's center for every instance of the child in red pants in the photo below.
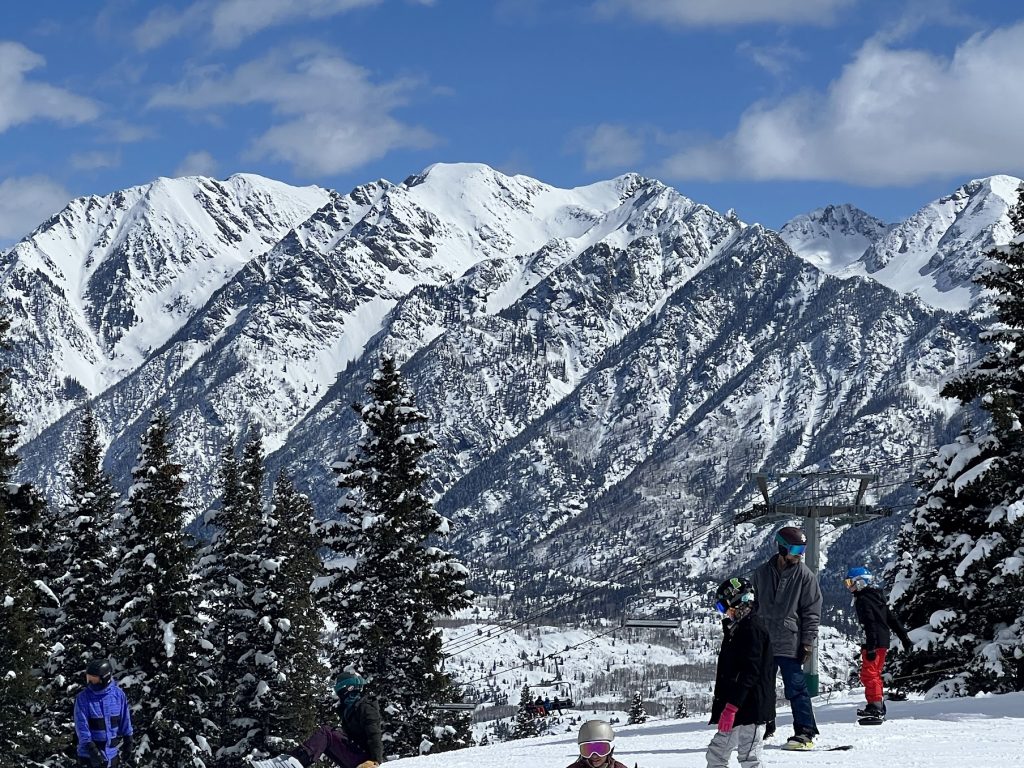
(876, 619)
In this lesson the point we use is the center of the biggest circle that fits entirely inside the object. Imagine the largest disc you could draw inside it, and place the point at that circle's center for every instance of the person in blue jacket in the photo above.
(103, 721)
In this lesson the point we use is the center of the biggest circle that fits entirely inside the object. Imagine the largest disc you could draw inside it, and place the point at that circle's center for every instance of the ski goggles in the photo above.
(590, 749)
(797, 550)
(721, 607)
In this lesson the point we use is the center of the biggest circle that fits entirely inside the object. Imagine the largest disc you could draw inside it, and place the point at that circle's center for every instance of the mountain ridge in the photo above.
(579, 352)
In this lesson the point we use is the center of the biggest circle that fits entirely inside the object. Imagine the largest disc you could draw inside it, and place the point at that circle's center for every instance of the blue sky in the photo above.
(771, 107)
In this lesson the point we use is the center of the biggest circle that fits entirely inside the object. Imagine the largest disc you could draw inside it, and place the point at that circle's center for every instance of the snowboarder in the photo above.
(357, 744)
(596, 741)
(744, 699)
(876, 619)
(789, 603)
(103, 721)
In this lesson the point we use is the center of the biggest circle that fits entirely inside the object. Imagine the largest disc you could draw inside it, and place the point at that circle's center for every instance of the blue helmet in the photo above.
(858, 577)
(346, 682)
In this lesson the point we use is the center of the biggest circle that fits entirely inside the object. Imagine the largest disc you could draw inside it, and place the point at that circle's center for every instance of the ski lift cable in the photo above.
(632, 568)
(455, 647)
(525, 664)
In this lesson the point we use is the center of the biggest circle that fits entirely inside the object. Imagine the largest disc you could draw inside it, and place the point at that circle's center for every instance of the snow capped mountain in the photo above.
(612, 358)
(833, 237)
(107, 280)
(935, 254)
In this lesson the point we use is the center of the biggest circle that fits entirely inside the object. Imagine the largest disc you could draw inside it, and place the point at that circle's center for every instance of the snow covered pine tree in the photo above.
(959, 574)
(21, 637)
(157, 598)
(387, 579)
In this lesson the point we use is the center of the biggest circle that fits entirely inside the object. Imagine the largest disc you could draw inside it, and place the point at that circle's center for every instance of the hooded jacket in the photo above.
(102, 717)
(789, 604)
(360, 720)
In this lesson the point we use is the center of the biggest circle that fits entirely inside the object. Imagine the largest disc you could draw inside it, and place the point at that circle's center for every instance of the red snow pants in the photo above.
(871, 673)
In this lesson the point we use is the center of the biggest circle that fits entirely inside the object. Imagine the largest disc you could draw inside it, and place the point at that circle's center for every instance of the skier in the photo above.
(357, 744)
(876, 619)
(596, 741)
(789, 603)
(744, 698)
(103, 721)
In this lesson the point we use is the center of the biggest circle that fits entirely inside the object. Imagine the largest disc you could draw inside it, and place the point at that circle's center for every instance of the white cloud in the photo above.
(90, 161)
(25, 202)
(200, 163)
(229, 22)
(333, 116)
(725, 12)
(774, 59)
(23, 100)
(608, 147)
(893, 116)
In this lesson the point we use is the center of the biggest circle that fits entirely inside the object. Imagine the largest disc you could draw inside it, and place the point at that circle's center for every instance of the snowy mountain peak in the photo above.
(934, 254)
(108, 279)
(832, 237)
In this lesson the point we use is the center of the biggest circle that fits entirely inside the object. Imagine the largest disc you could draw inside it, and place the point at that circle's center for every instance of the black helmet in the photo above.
(733, 592)
(791, 541)
(100, 668)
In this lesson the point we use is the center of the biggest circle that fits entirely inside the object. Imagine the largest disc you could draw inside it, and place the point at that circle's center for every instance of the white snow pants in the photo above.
(745, 739)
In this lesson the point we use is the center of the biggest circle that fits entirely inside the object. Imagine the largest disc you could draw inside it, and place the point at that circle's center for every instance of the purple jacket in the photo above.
(102, 717)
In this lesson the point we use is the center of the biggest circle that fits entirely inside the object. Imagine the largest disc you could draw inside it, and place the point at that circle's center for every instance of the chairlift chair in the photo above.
(630, 618)
(455, 706)
(563, 692)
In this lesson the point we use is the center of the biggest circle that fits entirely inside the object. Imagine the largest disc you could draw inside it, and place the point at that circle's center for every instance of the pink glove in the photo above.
(727, 718)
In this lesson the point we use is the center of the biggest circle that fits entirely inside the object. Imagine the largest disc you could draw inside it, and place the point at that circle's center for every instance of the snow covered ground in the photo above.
(983, 732)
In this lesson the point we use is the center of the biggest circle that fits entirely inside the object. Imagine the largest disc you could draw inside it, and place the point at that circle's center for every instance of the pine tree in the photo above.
(289, 613)
(232, 578)
(935, 587)
(681, 710)
(89, 556)
(964, 590)
(84, 549)
(387, 579)
(157, 599)
(21, 635)
(527, 723)
(636, 710)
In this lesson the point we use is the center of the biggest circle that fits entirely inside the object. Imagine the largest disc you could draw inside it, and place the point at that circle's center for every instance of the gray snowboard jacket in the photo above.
(789, 604)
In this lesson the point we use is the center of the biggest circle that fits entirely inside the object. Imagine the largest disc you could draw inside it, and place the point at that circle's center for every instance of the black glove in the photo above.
(908, 644)
(802, 652)
(871, 654)
(127, 752)
(96, 757)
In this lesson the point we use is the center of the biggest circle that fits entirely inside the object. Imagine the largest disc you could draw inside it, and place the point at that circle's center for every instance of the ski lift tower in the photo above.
(813, 509)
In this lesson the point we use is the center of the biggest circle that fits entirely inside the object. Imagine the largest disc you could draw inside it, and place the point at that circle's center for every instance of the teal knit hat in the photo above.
(346, 682)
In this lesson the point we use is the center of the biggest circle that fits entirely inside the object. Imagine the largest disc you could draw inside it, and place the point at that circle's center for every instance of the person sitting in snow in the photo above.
(596, 742)
(357, 744)
(744, 699)
(103, 721)
(876, 619)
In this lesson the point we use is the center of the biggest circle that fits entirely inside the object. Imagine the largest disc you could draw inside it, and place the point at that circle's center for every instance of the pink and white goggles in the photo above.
(590, 749)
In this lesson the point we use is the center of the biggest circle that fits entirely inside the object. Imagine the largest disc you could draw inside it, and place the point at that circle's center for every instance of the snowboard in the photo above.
(838, 748)
(874, 720)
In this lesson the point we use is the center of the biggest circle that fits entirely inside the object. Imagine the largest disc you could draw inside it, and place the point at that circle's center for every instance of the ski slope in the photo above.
(983, 732)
